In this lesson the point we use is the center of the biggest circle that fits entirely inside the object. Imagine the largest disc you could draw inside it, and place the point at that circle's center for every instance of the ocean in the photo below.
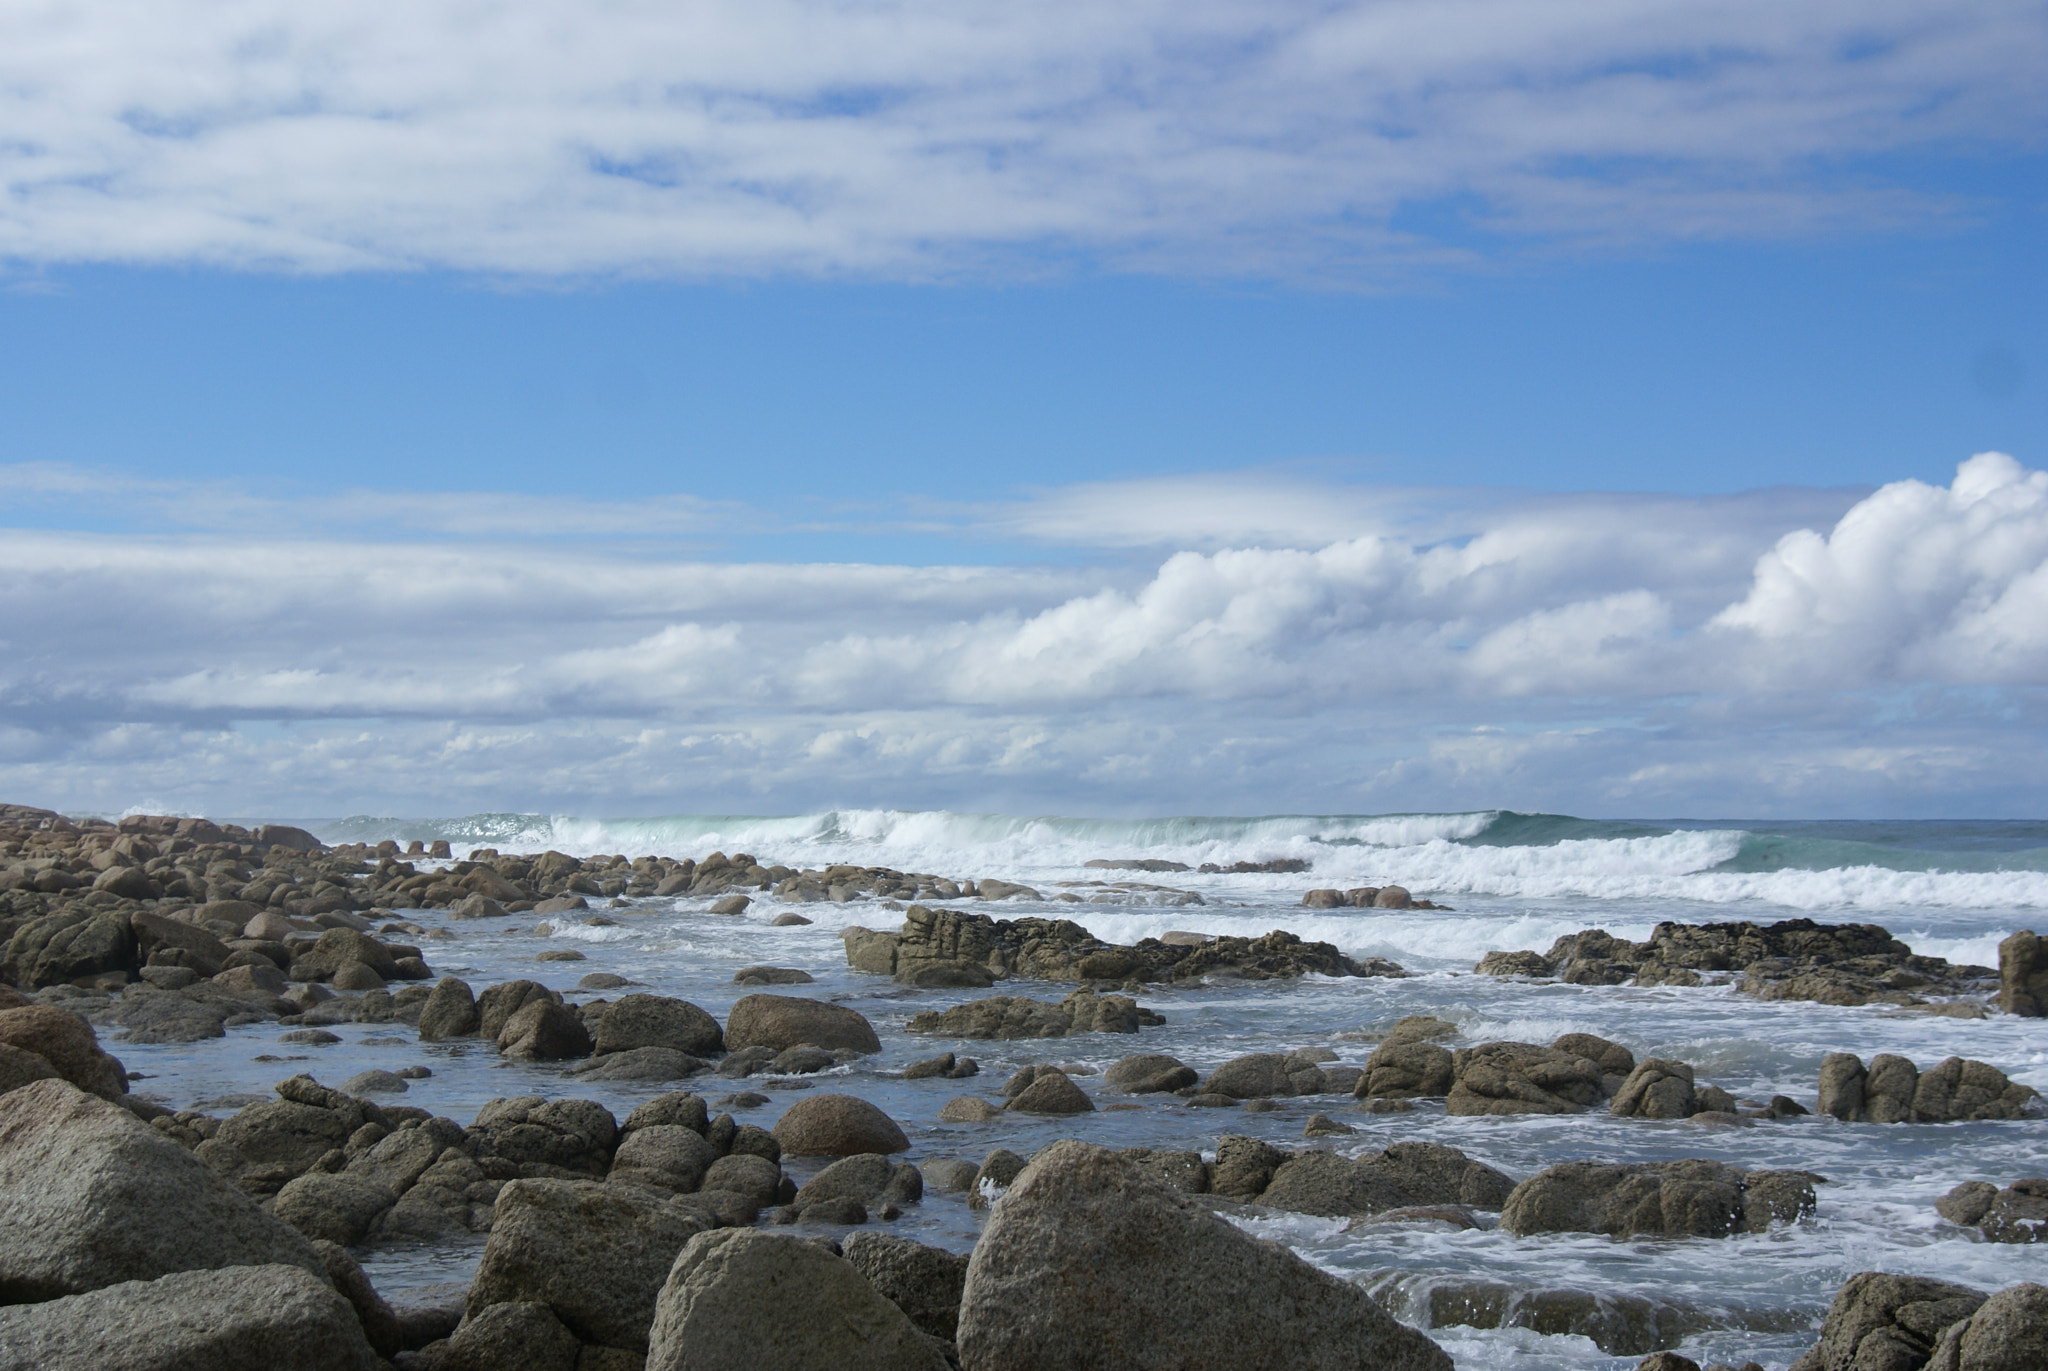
(1950, 889)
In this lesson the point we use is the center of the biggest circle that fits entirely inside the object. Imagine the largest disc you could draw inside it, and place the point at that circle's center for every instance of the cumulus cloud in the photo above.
(907, 139)
(1630, 652)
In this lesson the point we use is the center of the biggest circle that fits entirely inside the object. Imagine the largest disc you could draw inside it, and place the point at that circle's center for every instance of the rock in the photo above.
(1404, 1176)
(2023, 975)
(1149, 1073)
(2018, 1213)
(2009, 1332)
(338, 1209)
(781, 1021)
(1891, 1090)
(543, 1030)
(730, 904)
(1263, 1074)
(379, 1323)
(1691, 1198)
(70, 946)
(1038, 1295)
(1404, 1068)
(1513, 964)
(1244, 1166)
(67, 1044)
(243, 1318)
(196, 948)
(336, 948)
(739, 1297)
(924, 1282)
(968, 1109)
(499, 1003)
(837, 1126)
(1667, 1361)
(521, 1334)
(449, 1012)
(1883, 1322)
(561, 904)
(252, 979)
(1611, 1057)
(771, 975)
(640, 1064)
(1013, 1017)
(634, 1021)
(676, 1107)
(1657, 1089)
(671, 1156)
(1324, 899)
(596, 1255)
(758, 1178)
(1051, 1092)
(870, 1178)
(788, 921)
(527, 1131)
(91, 1196)
(1521, 1078)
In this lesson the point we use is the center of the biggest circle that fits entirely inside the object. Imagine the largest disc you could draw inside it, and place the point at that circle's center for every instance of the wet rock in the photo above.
(70, 946)
(676, 1107)
(1405, 1175)
(1407, 1068)
(782, 1021)
(1051, 1091)
(1149, 1073)
(837, 1126)
(948, 1175)
(91, 1196)
(1691, 1198)
(640, 1064)
(968, 1109)
(336, 948)
(1891, 1090)
(1244, 1166)
(1037, 1294)
(2023, 975)
(739, 1297)
(634, 1021)
(1263, 1074)
(1657, 1089)
(498, 1003)
(2008, 1332)
(66, 1045)
(543, 1030)
(2017, 1213)
(1879, 1321)
(522, 1334)
(730, 904)
(870, 1178)
(244, 1318)
(771, 975)
(596, 1255)
(1521, 1078)
(1523, 963)
(1008, 1017)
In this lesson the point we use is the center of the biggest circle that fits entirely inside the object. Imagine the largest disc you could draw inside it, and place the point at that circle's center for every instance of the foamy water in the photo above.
(1515, 881)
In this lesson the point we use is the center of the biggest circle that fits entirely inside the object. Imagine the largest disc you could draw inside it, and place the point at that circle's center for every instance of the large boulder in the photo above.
(70, 946)
(2018, 1213)
(68, 1044)
(634, 1021)
(91, 1196)
(1149, 1073)
(336, 948)
(1049, 1090)
(336, 1209)
(669, 1156)
(520, 1334)
(740, 1297)
(2009, 1332)
(1690, 1198)
(450, 1012)
(1404, 1068)
(544, 1031)
(544, 1137)
(265, 1145)
(1185, 1288)
(1015, 1016)
(243, 1318)
(500, 1002)
(594, 1254)
(1880, 1321)
(1657, 1089)
(783, 1021)
(837, 1126)
(1892, 1090)
(2023, 975)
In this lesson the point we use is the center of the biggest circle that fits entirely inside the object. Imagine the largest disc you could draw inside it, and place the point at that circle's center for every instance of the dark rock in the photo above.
(496, 1006)
(2018, 1213)
(924, 1282)
(527, 1131)
(521, 1334)
(2008, 1332)
(70, 946)
(66, 1045)
(1521, 1078)
(338, 1209)
(1149, 1073)
(658, 1021)
(543, 1030)
(1051, 1091)
(1879, 1322)
(1657, 1089)
(2023, 975)
(771, 975)
(450, 1012)
(1891, 1090)
(1005, 1017)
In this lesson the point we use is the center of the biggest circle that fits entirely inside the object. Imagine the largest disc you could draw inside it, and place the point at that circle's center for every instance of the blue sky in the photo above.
(1128, 410)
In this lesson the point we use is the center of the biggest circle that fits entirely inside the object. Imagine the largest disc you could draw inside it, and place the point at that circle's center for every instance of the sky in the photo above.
(1352, 407)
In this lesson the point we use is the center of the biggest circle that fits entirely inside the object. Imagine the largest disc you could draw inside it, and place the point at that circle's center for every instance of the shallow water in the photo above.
(1759, 1297)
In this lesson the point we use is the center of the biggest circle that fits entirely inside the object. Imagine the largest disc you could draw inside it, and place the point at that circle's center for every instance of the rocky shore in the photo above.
(148, 1233)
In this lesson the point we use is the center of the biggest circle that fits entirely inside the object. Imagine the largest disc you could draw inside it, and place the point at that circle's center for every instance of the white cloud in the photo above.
(1627, 652)
(917, 137)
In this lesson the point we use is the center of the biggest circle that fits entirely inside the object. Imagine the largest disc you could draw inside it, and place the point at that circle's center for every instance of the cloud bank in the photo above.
(1593, 653)
(1358, 138)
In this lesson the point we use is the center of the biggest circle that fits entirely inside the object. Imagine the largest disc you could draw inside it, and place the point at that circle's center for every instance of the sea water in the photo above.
(1514, 881)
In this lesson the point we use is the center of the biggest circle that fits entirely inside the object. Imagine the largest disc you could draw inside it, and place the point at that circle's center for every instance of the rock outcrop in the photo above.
(1014, 1016)
(1881, 1320)
(1691, 1198)
(1039, 1295)
(1892, 1090)
(2017, 1213)
(2023, 975)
